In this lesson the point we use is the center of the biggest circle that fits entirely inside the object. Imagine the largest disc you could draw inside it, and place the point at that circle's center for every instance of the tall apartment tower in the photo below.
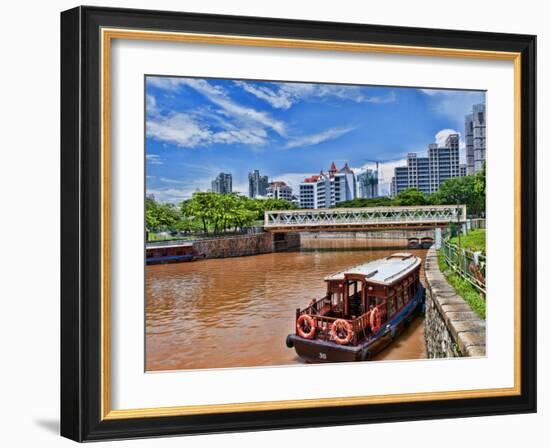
(223, 183)
(474, 132)
(257, 184)
(444, 162)
(367, 184)
(426, 174)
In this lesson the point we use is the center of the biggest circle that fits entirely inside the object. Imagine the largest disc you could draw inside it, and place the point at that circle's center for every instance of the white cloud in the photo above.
(315, 139)
(154, 159)
(186, 131)
(285, 95)
(225, 121)
(167, 180)
(389, 98)
(170, 194)
(240, 187)
(432, 92)
(164, 82)
(454, 104)
(275, 99)
(180, 129)
(151, 105)
(218, 96)
(177, 190)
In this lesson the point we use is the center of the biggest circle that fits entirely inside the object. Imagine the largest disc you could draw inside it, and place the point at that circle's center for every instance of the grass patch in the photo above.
(463, 288)
(474, 240)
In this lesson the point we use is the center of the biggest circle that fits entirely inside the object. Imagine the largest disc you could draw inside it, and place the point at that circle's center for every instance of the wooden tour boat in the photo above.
(366, 307)
(171, 253)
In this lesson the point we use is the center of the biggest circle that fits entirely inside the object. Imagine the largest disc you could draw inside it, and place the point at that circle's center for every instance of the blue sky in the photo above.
(196, 128)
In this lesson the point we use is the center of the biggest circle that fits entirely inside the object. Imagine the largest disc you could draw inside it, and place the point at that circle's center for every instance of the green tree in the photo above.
(200, 208)
(365, 202)
(479, 182)
(160, 216)
(209, 212)
(410, 196)
(151, 218)
(467, 190)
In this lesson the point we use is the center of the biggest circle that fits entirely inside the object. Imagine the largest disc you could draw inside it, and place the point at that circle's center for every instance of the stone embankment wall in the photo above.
(243, 245)
(451, 329)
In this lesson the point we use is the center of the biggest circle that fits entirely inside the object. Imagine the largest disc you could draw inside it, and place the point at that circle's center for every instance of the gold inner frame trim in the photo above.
(107, 35)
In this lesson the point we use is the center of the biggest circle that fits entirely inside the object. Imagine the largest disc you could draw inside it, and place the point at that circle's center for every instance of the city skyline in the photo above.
(198, 128)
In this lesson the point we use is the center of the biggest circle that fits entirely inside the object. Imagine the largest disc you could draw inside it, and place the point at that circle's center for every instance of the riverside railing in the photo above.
(469, 265)
(200, 236)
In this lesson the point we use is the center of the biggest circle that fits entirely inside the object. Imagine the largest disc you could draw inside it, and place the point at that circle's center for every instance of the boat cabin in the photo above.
(361, 300)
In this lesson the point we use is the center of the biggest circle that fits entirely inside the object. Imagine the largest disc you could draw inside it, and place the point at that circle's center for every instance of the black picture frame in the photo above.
(81, 224)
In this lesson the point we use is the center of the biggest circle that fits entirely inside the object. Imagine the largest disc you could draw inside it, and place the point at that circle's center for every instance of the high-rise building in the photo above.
(279, 190)
(444, 162)
(325, 190)
(223, 183)
(367, 184)
(257, 184)
(400, 180)
(426, 174)
(474, 133)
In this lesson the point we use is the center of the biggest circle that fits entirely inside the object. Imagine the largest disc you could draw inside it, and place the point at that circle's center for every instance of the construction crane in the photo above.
(378, 162)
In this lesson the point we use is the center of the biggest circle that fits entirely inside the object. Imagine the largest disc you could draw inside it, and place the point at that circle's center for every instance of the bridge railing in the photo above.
(367, 216)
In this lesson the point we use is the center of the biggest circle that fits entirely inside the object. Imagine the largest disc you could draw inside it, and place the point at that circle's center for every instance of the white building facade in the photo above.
(326, 190)
(279, 190)
(426, 174)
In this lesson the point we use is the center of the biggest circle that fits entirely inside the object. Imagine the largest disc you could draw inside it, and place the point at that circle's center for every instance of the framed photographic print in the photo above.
(274, 223)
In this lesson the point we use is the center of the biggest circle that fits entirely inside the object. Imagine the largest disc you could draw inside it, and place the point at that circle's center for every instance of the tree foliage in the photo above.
(365, 202)
(410, 196)
(209, 212)
(467, 190)
(160, 215)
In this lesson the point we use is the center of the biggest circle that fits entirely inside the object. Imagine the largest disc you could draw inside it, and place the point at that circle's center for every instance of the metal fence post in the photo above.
(438, 238)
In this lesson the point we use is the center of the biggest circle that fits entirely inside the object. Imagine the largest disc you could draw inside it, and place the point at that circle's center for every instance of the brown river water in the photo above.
(237, 312)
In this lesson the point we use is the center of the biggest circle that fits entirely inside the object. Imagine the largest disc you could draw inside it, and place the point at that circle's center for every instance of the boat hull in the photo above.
(170, 259)
(317, 351)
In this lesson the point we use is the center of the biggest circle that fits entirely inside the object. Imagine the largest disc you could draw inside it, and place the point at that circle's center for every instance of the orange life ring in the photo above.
(341, 324)
(375, 319)
(310, 322)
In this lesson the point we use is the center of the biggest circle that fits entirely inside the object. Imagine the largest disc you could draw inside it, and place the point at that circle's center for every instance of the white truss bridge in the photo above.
(370, 218)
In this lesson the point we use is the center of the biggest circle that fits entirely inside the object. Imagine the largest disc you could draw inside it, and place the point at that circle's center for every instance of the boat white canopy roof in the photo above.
(384, 271)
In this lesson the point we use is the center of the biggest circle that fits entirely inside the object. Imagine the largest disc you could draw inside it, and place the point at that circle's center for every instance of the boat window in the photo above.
(336, 298)
(371, 302)
(391, 305)
(399, 296)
